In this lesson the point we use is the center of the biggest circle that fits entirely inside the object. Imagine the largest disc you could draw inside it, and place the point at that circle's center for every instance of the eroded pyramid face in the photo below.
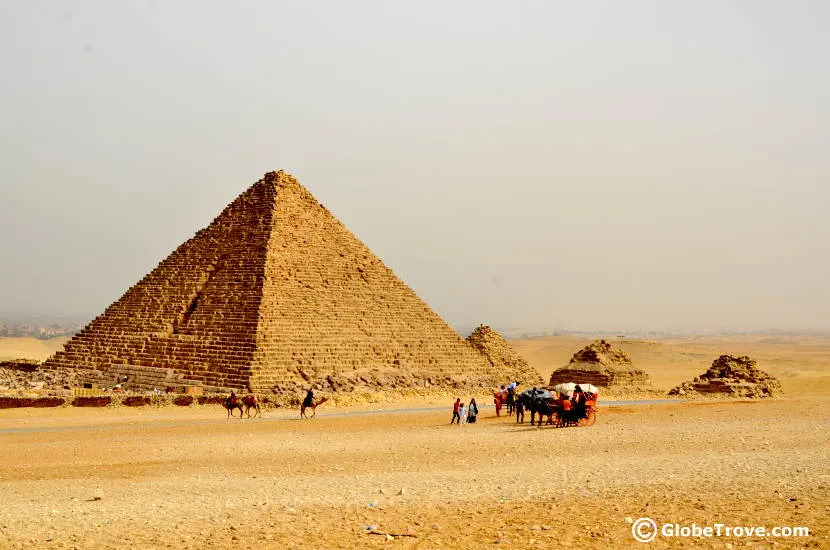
(275, 294)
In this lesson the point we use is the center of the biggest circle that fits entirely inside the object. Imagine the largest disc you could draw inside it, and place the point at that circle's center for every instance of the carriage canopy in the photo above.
(569, 388)
(565, 389)
(587, 388)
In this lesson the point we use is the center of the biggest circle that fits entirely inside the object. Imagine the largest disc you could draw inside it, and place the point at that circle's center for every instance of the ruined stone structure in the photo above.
(600, 364)
(734, 376)
(499, 354)
(275, 294)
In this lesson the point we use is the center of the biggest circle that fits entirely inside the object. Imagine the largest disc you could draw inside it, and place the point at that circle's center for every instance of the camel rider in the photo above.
(309, 398)
(231, 398)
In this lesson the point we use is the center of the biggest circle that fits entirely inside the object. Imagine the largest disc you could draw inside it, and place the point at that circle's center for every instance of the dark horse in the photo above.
(544, 408)
(538, 405)
(523, 403)
(233, 402)
(527, 402)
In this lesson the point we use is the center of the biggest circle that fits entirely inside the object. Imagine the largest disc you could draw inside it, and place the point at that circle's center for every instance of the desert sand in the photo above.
(191, 478)
(29, 348)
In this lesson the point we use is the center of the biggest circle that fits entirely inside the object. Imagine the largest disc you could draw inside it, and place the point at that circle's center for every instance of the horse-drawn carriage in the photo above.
(566, 405)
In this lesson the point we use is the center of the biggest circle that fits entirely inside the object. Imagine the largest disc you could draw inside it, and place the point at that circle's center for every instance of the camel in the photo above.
(251, 402)
(231, 403)
(313, 407)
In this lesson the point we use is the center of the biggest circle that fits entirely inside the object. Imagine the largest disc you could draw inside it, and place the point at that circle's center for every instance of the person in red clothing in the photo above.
(455, 411)
(497, 400)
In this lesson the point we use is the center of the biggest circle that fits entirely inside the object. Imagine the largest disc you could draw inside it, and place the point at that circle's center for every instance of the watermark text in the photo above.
(646, 530)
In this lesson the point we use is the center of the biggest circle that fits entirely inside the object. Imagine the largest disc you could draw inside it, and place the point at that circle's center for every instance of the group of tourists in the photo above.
(505, 396)
(462, 414)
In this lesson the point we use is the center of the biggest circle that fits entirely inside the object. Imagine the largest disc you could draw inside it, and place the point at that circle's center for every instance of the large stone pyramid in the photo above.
(274, 294)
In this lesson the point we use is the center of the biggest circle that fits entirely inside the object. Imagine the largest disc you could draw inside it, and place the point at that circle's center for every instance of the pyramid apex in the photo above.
(279, 178)
(273, 176)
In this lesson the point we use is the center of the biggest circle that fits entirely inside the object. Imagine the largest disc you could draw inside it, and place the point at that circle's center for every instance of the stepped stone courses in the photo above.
(735, 376)
(275, 295)
(600, 364)
(501, 356)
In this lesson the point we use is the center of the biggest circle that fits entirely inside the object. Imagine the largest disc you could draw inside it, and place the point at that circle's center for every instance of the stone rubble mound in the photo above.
(21, 375)
(600, 352)
(600, 364)
(503, 357)
(733, 376)
(25, 365)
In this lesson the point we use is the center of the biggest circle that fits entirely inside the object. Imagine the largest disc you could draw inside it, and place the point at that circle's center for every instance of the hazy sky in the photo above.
(579, 165)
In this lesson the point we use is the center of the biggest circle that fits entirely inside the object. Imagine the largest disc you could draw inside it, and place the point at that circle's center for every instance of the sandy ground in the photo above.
(190, 478)
(29, 348)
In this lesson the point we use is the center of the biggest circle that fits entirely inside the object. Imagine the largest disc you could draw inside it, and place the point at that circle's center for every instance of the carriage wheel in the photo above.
(589, 418)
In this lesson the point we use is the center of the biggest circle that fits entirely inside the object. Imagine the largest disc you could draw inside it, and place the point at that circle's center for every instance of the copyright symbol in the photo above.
(644, 530)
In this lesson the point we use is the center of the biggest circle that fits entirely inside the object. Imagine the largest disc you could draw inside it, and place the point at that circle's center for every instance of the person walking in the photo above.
(497, 402)
(462, 417)
(511, 400)
(472, 412)
(455, 411)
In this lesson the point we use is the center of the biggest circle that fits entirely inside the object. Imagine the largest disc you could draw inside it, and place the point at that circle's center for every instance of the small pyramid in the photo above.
(273, 295)
(601, 364)
(502, 356)
(735, 376)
